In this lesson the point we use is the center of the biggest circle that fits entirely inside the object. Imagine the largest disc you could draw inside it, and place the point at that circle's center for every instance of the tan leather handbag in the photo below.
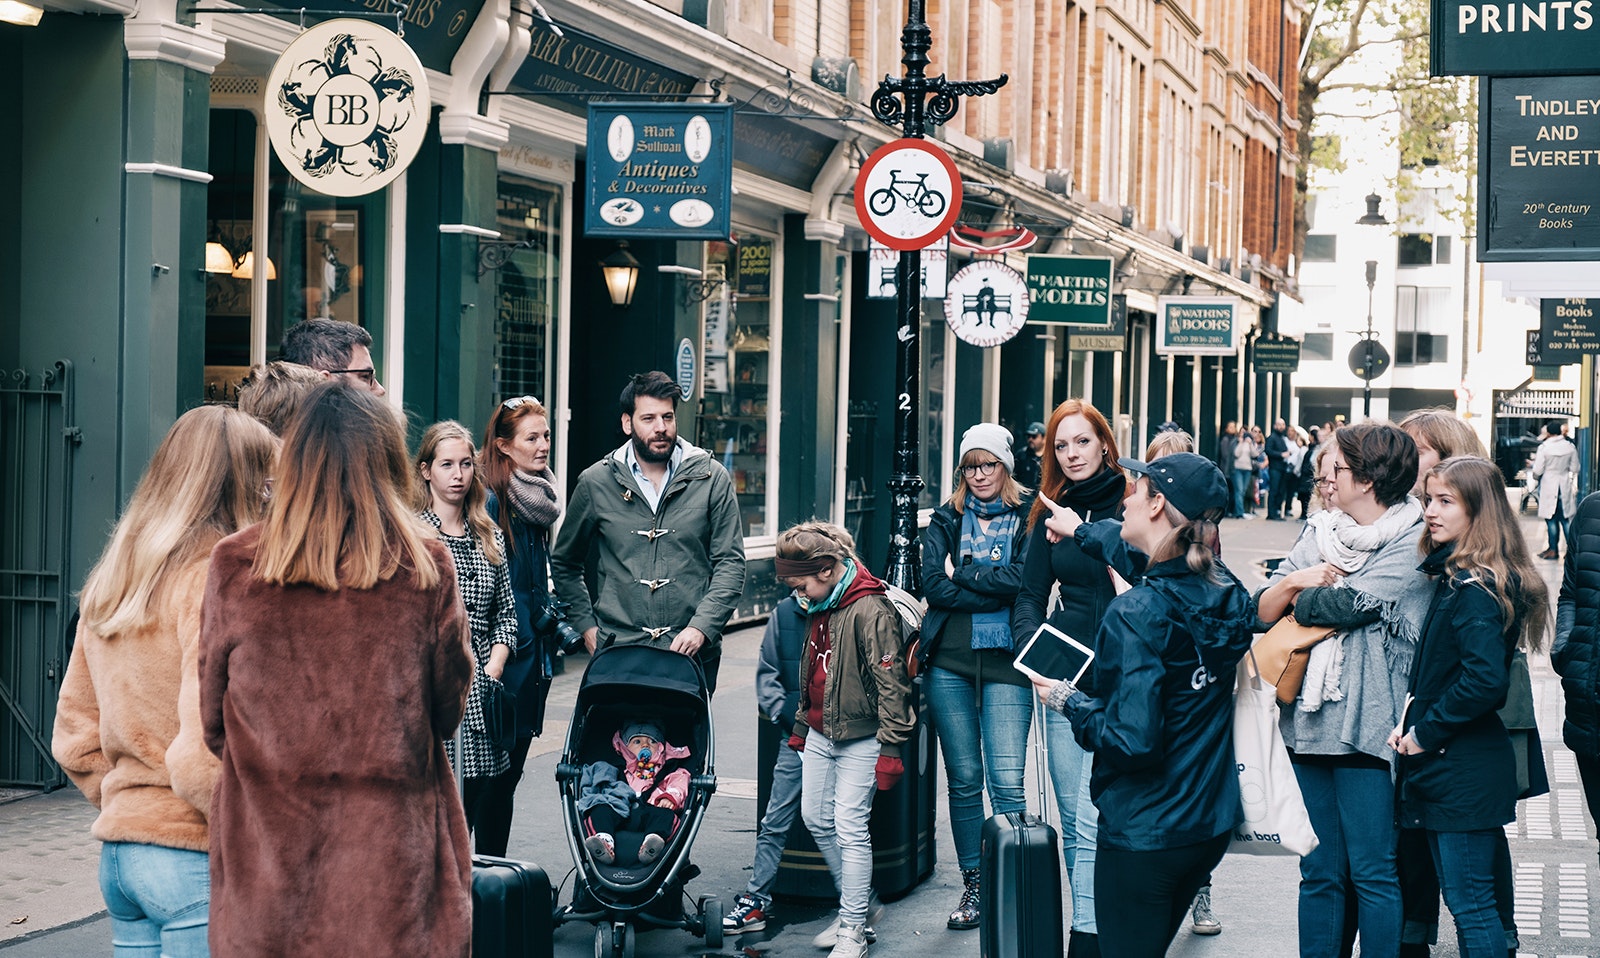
(1283, 653)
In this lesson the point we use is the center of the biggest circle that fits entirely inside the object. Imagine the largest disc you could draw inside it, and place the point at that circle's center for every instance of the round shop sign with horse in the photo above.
(986, 303)
(347, 107)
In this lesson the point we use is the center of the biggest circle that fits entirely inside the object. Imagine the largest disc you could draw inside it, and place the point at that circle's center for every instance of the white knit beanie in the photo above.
(991, 438)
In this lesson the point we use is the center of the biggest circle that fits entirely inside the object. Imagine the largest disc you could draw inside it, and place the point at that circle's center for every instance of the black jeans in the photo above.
(1589, 771)
(492, 830)
(1142, 898)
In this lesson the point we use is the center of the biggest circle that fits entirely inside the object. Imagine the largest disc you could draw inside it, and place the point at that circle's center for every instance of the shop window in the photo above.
(736, 410)
(526, 288)
(1314, 346)
(317, 256)
(1423, 249)
(1421, 313)
(1321, 248)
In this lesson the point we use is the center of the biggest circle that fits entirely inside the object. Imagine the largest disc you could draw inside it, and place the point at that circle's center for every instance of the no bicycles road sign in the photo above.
(908, 194)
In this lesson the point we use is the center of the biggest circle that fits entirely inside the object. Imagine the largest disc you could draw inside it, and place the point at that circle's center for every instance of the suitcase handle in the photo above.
(1041, 748)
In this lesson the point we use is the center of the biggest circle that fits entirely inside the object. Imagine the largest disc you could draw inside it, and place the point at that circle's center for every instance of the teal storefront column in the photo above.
(166, 133)
(449, 342)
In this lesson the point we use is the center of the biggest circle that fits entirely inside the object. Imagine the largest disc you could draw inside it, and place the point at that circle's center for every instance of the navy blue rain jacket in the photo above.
(1161, 726)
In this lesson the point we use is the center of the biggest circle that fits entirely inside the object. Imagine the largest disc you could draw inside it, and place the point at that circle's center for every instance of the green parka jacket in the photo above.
(659, 572)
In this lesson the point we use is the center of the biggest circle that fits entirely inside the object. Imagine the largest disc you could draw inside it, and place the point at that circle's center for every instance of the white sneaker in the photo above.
(829, 936)
(852, 942)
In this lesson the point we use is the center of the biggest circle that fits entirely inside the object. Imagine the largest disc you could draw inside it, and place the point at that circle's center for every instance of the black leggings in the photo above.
(492, 830)
(1142, 898)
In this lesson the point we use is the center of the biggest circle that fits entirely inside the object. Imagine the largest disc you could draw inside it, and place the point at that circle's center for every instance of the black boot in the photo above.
(1413, 950)
(966, 914)
(1083, 945)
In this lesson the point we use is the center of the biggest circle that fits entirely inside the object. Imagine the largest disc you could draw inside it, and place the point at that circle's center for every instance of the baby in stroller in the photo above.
(629, 814)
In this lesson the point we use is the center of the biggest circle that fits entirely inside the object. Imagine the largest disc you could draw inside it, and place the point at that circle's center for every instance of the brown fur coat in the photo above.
(337, 826)
(128, 724)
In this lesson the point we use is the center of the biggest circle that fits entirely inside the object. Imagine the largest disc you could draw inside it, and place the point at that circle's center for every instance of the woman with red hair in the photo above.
(1079, 471)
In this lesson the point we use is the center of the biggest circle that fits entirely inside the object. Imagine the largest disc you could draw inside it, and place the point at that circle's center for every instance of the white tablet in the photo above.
(1054, 656)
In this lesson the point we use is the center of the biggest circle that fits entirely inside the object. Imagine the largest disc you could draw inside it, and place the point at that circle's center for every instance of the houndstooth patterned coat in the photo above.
(492, 612)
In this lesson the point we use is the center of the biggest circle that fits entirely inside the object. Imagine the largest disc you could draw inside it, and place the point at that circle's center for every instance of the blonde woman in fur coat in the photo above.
(127, 726)
(334, 665)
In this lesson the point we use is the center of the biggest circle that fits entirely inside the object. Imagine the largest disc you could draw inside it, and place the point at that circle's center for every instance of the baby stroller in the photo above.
(621, 899)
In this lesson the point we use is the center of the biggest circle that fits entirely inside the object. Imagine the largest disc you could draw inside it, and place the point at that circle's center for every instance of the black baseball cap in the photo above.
(1193, 484)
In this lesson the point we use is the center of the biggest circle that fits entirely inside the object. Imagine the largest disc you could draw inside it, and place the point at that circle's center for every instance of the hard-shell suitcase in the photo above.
(1019, 872)
(511, 909)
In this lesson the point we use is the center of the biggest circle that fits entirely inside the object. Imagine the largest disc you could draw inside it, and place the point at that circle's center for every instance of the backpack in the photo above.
(911, 610)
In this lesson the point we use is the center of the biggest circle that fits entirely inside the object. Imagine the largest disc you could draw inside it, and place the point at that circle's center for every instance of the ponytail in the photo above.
(1197, 540)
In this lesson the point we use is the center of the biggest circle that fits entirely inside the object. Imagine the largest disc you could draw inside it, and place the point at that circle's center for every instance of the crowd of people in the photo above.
(306, 649)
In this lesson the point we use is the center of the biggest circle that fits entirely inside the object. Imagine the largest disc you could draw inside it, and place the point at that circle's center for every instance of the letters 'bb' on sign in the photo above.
(908, 194)
(347, 107)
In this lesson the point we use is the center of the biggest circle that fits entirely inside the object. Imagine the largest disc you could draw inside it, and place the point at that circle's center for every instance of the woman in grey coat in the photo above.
(1553, 465)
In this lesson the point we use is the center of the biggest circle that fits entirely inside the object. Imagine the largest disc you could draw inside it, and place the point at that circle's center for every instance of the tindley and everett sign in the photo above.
(1069, 290)
(1540, 157)
(663, 170)
(1538, 38)
(1569, 329)
(1197, 325)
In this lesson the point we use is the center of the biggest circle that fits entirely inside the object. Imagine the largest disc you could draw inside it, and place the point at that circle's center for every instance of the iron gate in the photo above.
(38, 435)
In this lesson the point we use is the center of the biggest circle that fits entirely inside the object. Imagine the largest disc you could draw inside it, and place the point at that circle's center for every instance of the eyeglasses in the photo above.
(1330, 480)
(977, 468)
(519, 400)
(368, 375)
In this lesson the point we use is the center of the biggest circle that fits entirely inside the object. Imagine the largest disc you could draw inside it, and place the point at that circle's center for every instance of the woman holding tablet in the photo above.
(972, 559)
(1079, 472)
(1159, 720)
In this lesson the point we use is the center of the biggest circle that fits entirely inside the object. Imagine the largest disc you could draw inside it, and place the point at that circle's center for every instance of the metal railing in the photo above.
(38, 437)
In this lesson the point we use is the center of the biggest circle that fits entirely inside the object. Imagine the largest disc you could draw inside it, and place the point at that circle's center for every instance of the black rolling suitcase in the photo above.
(512, 906)
(1020, 875)
(511, 909)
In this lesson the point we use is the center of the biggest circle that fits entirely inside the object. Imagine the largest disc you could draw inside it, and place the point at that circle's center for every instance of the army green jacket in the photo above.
(658, 572)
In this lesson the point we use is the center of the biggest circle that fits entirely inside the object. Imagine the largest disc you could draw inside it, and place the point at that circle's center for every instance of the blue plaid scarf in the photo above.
(990, 630)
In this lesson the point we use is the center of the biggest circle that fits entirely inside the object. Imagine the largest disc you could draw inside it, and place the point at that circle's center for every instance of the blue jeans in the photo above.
(1352, 812)
(773, 834)
(1070, 768)
(159, 899)
(1556, 526)
(1241, 486)
(983, 734)
(1465, 862)
(836, 802)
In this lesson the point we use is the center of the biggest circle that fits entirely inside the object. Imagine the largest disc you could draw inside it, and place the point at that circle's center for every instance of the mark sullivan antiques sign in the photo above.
(1071, 290)
(1517, 38)
(663, 170)
(1540, 157)
(347, 107)
(1197, 325)
(578, 64)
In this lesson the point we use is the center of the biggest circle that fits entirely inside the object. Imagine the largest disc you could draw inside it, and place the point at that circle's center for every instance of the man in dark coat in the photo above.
(1279, 482)
(1030, 456)
(1226, 444)
(1576, 652)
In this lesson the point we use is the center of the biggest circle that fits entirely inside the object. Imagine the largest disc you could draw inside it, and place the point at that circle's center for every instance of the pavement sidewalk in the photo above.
(48, 862)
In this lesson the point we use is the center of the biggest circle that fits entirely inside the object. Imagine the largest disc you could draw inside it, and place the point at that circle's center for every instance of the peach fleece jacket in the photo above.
(128, 731)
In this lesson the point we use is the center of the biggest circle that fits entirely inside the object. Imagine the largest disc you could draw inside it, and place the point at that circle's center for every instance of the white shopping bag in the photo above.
(1273, 819)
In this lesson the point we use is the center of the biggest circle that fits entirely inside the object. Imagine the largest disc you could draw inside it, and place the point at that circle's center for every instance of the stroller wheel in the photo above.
(613, 940)
(711, 920)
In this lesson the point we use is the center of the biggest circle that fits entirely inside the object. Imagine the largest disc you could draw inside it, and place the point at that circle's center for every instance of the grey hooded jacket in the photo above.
(658, 572)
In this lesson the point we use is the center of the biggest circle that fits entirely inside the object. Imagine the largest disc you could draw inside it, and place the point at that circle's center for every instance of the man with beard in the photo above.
(662, 521)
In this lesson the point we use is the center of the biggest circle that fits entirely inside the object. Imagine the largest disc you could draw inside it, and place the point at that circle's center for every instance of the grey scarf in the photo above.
(534, 498)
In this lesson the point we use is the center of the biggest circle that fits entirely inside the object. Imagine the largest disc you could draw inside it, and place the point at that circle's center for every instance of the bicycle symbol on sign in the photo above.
(929, 203)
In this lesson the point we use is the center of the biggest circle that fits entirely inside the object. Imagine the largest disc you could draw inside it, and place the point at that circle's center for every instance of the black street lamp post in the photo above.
(906, 102)
(1367, 371)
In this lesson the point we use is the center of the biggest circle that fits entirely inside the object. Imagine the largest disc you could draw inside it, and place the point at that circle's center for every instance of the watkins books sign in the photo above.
(1197, 325)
